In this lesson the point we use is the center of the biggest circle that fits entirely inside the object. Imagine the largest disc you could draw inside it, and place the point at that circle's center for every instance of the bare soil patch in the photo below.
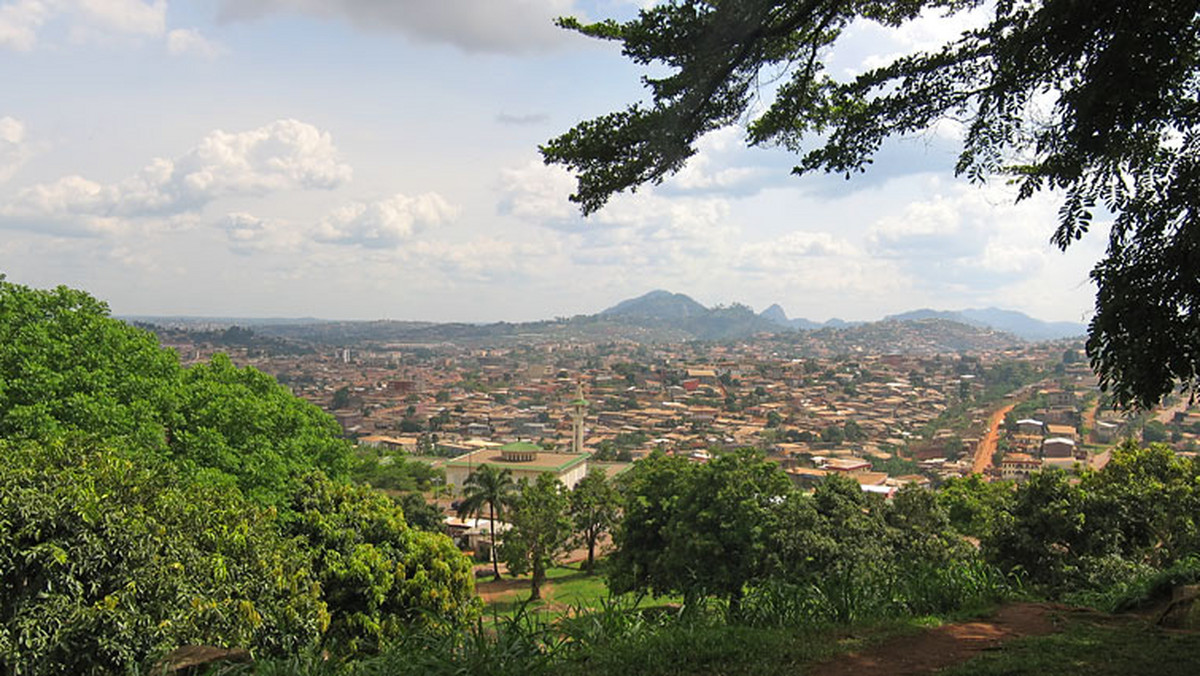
(949, 644)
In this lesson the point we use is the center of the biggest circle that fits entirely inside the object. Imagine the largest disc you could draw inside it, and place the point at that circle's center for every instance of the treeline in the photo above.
(145, 506)
(735, 528)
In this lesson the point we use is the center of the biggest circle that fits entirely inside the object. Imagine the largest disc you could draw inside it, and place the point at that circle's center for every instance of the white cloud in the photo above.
(14, 147)
(976, 237)
(791, 249)
(20, 21)
(129, 17)
(183, 41)
(385, 223)
(706, 169)
(927, 33)
(249, 234)
(283, 155)
(512, 26)
(538, 193)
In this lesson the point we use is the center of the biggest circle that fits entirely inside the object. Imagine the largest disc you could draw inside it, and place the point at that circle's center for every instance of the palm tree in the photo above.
(492, 487)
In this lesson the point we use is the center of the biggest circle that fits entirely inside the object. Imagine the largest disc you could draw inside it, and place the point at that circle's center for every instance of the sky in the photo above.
(377, 159)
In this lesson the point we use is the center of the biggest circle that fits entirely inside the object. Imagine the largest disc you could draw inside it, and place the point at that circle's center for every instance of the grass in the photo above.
(566, 587)
(700, 649)
(1108, 646)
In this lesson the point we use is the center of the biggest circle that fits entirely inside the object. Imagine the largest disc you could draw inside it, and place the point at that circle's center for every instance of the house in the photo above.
(806, 477)
(475, 534)
(1064, 431)
(1030, 426)
(847, 465)
(1018, 466)
(1058, 447)
(407, 444)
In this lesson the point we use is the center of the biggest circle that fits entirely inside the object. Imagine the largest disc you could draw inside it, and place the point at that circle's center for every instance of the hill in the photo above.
(658, 304)
(1016, 323)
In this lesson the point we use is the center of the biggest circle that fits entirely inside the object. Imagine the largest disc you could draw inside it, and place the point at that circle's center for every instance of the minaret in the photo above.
(578, 411)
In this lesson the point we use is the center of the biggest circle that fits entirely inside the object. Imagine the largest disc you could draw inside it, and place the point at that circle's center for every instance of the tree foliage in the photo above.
(541, 530)
(239, 425)
(67, 366)
(1095, 100)
(594, 510)
(378, 576)
(144, 506)
(106, 562)
(698, 529)
(1138, 514)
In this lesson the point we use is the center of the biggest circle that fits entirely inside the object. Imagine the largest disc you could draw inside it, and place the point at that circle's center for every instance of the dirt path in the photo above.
(987, 445)
(948, 645)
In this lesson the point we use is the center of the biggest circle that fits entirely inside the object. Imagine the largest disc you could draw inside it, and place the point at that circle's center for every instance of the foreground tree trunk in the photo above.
(591, 560)
(535, 583)
(492, 541)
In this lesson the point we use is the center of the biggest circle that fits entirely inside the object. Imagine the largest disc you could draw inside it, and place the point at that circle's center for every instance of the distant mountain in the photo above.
(661, 317)
(657, 305)
(928, 335)
(1025, 326)
(1016, 323)
(777, 316)
(662, 311)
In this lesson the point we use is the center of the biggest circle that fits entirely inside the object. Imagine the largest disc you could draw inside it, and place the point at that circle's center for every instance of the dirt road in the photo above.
(987, 445)
(947, 645)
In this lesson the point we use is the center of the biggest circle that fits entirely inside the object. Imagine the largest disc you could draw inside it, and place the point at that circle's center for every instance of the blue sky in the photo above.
(377, 159)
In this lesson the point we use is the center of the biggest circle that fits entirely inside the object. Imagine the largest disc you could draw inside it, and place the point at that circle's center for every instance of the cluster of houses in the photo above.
(811, 414)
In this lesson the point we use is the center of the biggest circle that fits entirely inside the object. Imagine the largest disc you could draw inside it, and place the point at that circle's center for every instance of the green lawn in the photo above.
(566, 587)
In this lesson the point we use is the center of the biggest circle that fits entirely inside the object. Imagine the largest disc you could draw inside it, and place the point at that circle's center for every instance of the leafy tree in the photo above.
(853, 431)
(239, 426)
(421, 514)
(833, 435)
(1042, 533)
(1145, 505)
(1093, 99)
(492, 487)
(700, 530)
(649, 491)
(972, 503)
(594, 510)
(108, 561)
(341, 398)
(378, 576)
(66, 365)
(1154, 431)
(541, 530)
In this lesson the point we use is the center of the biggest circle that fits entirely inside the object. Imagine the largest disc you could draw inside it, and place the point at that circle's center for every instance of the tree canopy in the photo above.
(144, 506)
(1096, 100)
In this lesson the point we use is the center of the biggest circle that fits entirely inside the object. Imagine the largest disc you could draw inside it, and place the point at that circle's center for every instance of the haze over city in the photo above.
(351, 159)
